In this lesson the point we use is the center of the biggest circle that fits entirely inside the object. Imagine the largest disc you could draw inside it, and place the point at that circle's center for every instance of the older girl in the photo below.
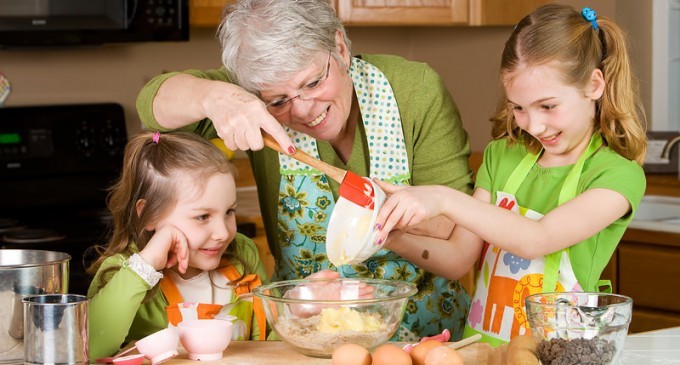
(559, 183)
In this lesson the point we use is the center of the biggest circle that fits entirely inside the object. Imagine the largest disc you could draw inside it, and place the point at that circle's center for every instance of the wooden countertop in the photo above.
(279, 352)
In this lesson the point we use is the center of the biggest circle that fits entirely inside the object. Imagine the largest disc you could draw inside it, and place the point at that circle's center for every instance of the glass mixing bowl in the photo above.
(315, 316)
(579, 328)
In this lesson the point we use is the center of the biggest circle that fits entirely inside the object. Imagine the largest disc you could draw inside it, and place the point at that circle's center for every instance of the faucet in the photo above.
(667, 148)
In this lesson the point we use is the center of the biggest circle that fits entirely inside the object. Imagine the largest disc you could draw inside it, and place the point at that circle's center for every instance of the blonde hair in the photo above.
(556, 32)
(150, 173)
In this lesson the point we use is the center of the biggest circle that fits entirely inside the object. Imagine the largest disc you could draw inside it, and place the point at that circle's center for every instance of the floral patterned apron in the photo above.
(504, 280)
(306, 201)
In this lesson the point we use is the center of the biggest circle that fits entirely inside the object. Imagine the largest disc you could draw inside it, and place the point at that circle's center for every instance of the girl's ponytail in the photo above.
(620, 116)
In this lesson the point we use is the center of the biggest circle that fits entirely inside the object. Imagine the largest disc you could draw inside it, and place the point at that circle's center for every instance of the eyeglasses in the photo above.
(309, 91)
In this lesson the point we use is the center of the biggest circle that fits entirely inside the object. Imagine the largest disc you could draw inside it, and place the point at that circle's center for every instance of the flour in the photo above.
(304, 333)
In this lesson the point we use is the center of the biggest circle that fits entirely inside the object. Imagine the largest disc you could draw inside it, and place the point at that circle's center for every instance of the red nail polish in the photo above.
(291, 150)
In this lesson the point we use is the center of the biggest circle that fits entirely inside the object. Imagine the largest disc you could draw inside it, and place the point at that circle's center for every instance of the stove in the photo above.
(56, 163)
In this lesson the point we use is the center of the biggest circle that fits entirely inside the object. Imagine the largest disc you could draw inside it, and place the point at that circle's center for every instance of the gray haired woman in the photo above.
(289, 71)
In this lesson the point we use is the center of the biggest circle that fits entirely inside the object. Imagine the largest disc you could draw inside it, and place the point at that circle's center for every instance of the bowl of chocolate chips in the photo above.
(579, 327)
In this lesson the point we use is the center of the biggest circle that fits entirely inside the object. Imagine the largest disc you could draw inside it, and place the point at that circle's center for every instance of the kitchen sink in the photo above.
(658, 213)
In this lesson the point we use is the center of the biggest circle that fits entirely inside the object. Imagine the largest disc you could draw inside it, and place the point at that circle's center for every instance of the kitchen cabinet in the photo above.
(435, 12)
(645, 267)
(207, 13)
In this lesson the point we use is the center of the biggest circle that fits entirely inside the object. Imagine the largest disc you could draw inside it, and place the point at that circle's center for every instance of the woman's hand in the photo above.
(168, 247)
(325, 290)
(238, 116)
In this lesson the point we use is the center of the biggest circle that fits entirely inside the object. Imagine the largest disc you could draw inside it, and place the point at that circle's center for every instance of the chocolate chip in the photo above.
(558, 351)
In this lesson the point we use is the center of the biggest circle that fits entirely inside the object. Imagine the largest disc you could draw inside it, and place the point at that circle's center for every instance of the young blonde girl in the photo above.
(174, 252)
(558, 184)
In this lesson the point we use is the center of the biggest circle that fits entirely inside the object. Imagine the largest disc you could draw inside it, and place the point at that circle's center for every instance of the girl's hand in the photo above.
(168, 247)
(406, 206)
(239, 118)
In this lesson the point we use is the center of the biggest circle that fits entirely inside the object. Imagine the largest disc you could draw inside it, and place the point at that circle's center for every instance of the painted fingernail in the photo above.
(378, 241)
(291, 150)
(378, 226)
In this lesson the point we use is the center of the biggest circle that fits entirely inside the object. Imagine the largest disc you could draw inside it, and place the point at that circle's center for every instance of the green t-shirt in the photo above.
(540, 192)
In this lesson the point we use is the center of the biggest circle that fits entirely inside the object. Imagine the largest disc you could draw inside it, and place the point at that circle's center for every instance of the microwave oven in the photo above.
(39, 23)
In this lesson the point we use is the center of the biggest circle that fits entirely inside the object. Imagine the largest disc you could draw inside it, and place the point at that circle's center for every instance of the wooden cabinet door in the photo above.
(435, 12)
(649, 274)
(403, 12)
(501, 12)
(206, 13)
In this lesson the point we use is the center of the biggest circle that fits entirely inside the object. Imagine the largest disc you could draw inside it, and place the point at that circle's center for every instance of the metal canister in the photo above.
(56, 329)
(22, 273)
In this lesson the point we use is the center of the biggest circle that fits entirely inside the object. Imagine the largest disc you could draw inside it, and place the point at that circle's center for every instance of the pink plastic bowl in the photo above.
(159, 346)
(205, 339)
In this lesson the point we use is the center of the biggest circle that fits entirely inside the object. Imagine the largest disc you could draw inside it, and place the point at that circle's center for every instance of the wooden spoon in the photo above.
(352, 186)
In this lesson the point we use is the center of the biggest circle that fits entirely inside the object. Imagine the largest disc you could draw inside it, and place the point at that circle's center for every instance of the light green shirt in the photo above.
(540, 192)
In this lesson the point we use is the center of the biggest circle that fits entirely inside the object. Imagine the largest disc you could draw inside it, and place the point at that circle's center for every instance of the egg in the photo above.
(420, 350)
(389, 354)
(442, 355)
(351, 354)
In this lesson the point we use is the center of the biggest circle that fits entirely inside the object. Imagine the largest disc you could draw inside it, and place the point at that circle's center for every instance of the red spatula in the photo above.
(352, 186)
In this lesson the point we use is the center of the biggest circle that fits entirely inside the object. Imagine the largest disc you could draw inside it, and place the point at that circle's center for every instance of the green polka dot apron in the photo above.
(305, 202)
(504, 280)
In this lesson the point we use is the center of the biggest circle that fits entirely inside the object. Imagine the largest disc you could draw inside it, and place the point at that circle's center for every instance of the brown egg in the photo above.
(351, 354)
(420, 350)
(389, 354)
(442, 355)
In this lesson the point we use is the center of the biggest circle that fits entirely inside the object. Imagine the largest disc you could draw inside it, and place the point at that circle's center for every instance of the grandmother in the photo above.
(289, 71)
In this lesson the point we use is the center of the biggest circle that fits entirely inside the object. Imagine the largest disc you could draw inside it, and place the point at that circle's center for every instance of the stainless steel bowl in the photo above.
(22, 273)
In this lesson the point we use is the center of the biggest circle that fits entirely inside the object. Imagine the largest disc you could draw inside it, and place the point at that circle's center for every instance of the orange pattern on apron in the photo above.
(244, 286)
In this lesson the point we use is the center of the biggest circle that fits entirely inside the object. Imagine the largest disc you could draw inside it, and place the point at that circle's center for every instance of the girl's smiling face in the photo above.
(206, 217)
(558, 115)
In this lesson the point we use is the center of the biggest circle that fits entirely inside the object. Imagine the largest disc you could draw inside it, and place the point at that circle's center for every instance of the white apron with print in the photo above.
(504, 280)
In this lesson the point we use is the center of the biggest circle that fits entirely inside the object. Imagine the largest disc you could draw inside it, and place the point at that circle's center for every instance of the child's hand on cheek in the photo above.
(167, 247)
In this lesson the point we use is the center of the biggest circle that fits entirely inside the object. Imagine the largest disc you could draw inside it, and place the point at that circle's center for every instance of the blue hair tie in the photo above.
(590, 15)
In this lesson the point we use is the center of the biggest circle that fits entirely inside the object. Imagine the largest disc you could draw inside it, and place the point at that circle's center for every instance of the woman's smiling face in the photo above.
(324, 114)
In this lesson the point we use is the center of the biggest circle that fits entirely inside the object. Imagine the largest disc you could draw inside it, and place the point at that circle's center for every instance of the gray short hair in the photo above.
(268, 41)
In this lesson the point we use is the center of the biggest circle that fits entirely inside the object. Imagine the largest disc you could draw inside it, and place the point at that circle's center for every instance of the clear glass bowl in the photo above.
(315, 316)
(579, 328)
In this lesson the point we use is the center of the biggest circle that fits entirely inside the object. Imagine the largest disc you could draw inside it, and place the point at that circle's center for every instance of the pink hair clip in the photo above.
(156, 137)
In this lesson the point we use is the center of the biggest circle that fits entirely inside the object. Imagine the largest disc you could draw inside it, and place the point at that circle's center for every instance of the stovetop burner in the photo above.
(9, 224)
(32, 235)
